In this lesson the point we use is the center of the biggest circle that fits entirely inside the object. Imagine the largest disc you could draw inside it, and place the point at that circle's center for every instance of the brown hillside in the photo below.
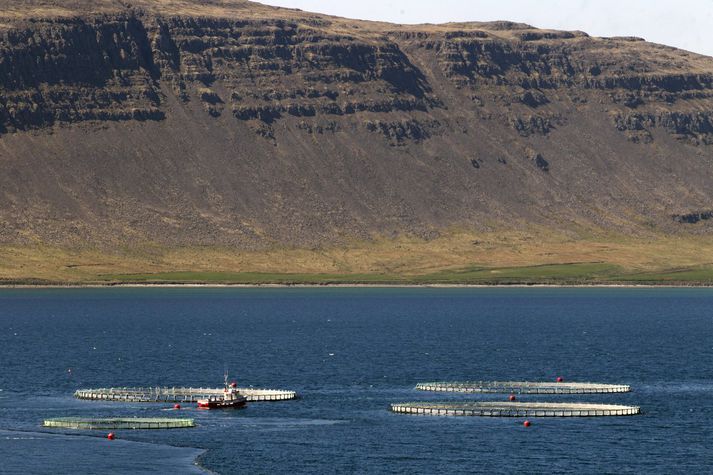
(233, 125)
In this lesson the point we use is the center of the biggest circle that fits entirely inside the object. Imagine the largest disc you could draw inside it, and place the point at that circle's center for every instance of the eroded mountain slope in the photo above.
(231, 124)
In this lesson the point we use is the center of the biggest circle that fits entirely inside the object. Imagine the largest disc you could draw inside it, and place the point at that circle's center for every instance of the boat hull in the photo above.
(218, 404)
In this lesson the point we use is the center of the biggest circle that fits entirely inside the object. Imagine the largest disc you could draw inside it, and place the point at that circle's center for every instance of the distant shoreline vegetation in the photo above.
(575, 274)
(503, 258)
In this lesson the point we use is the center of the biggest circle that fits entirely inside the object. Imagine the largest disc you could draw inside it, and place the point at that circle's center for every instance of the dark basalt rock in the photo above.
(267, 114)
(109, 67)
(400, 132)
(538, 160)
(210, 97)
(534, 124)
(541, 163)
(73, 70)
(548, 35)
(629, 99)
(533, 99)
(319, 128)
(693, 218)
(696, 126)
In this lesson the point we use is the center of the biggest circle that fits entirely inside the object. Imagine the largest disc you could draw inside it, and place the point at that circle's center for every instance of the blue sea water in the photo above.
(350, 353)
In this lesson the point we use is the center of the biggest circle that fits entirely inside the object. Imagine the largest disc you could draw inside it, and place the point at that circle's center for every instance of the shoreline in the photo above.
(355, 285)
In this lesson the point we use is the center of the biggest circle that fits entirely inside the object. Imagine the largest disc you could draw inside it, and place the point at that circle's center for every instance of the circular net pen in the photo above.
(514, 409)
(117, 423)
(523, 387)
(178, 395)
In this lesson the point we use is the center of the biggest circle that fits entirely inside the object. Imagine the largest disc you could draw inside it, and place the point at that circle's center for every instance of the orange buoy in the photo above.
(526, 423)
(560, 379)
(176, 406)
(110, 436)
(512, 397)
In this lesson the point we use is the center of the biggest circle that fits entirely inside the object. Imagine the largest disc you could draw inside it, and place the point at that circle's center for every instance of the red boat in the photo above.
(230, 399)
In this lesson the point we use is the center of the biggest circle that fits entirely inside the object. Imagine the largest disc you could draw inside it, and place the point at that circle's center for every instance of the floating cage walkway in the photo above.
(178, 395)
(514, 409)
(523, 387)
(118, 423)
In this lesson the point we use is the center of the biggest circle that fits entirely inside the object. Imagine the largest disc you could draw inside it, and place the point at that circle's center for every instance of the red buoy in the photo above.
(560, 379)
(110, 436)
(526, 423)
(512, 397)
(233, 384)
(176, 406)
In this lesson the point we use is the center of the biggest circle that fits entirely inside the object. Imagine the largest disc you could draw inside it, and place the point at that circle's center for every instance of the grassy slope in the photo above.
(546, 273)
(459, 258)
(581, 273)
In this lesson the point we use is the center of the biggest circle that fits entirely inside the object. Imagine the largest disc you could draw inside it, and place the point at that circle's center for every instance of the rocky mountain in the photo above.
(230, 124)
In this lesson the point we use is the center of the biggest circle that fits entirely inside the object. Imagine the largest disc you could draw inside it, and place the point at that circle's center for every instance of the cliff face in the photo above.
(230, 123)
